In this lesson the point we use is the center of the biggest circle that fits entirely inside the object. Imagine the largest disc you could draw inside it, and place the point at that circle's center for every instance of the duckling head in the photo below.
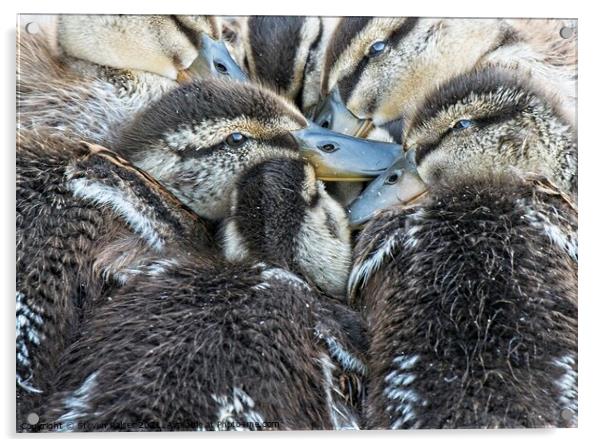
(359, 63)
(197, 140)
(176, 47)
(281, 214)
(478, 124)
(379, 70)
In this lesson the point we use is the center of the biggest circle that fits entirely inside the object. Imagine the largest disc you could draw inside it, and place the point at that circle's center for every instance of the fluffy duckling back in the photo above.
(87, 222)
(286, 54)
(471, 303)
(298, 226)
(226, 346)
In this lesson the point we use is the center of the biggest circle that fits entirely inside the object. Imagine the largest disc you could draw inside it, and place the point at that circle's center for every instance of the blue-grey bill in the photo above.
(215, 60)
(339, 157)
(399, 185)
(333, 114)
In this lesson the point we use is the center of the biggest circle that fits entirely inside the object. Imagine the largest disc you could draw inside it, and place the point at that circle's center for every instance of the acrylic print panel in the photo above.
(292, 223)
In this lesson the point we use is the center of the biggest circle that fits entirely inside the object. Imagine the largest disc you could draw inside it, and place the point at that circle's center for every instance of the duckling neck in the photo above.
(268, 211)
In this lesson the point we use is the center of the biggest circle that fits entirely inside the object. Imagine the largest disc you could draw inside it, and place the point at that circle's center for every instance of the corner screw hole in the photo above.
(566, 32)
(33, 418)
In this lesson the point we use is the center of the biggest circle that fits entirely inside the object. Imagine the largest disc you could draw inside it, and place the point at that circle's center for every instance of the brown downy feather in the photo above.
(87, 222)
(208, 346)
(471, 304)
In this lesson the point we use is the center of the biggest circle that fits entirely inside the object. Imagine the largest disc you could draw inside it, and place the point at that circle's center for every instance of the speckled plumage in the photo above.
(470, 294)
(471, 307)
(203, 345)
(513, 125)
(181, 139)
(87, 221)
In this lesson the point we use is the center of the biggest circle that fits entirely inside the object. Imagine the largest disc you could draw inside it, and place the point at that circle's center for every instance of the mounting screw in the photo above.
(32, 28)
(566, 32)
(33, 418)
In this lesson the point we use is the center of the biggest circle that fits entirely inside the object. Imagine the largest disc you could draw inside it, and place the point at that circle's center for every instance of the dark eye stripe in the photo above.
(349, 82)
(478, 123)
(479, 82)
(424, 149)
(192, 151)
(346, 31)
(406, 28)
(284, 141)
(504, 114)
(310, 64)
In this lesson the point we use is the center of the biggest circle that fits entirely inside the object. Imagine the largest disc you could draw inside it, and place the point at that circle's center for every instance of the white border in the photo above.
(590, 165)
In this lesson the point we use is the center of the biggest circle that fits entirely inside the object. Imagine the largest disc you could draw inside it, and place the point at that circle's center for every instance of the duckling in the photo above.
(471, 303)
(469, 287)
(226, 346)
(378, 70)
(87, 222)
(198, 139)
(105, 68)
(491, 119)
(286, 54)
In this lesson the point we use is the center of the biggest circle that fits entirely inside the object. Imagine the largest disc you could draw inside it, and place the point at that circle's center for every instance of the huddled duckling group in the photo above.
(207, 241)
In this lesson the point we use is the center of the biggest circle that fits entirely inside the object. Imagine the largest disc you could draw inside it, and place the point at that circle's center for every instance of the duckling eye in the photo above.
(463, 124)
(392, 178)
(328, 147)
(221, 68)
(377, 48)
(236, 139)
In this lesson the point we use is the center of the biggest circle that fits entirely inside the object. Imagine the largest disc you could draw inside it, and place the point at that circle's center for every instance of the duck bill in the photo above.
(408, 189)
(338, 157)
(333, 114)
(215, 60)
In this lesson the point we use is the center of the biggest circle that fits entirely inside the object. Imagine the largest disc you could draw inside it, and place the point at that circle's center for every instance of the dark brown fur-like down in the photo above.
(87, 222)
(273, 41)
(216, 345)
(471, 306)
(200, 348)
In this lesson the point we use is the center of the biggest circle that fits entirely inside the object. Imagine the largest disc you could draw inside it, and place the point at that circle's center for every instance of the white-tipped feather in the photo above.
(403, 399)
(77, 404)
(114, 198)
